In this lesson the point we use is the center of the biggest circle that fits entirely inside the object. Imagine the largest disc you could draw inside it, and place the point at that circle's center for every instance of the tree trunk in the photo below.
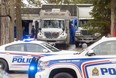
(18, 20)
(4, 26)
(11, 25)
(113, 18)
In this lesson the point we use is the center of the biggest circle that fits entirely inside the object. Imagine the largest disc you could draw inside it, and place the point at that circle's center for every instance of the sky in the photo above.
(25, 1)
(42, 1)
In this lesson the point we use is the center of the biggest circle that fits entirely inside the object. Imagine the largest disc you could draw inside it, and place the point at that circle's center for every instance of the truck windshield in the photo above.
(53, 24)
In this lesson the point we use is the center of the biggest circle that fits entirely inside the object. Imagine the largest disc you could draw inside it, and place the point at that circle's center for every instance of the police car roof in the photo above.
(21, 41)
(108, 38)
(103, 39)
(28, 41)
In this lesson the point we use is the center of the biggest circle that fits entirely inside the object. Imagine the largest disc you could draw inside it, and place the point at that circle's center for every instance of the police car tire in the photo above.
(63, 75)
(4, 64)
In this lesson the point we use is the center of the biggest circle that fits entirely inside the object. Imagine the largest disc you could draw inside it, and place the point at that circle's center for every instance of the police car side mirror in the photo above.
(45, 51)
(91, 53)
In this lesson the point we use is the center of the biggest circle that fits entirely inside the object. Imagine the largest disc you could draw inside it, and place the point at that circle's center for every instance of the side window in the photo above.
(34, 48)
(15, 47)
(105, 48)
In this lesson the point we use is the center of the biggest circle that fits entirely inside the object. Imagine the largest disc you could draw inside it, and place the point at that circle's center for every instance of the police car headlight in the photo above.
(43, 65)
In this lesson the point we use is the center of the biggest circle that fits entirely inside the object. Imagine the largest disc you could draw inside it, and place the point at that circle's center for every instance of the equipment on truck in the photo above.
(53, 26)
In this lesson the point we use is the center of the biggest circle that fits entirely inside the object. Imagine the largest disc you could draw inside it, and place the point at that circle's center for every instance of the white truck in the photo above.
(96, 61)
(53, 26)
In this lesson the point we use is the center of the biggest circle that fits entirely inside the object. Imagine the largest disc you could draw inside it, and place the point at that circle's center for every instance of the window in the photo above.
(53, 49)
(53, 23)
(15, 47)
(105, 48)
(82, 22)
(34, 48)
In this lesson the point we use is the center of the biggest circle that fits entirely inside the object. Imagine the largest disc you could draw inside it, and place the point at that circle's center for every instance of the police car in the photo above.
(17, 55)
(96, 61)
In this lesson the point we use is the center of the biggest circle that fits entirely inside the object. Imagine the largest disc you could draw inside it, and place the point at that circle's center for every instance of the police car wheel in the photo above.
(63, 75)
(3, 65)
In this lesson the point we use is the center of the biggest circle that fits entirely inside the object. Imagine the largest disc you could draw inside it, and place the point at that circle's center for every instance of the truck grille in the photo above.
(51, 34)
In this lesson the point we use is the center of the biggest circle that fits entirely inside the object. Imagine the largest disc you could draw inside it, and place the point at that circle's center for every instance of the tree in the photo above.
(104, 13)
(113, 18)
(101, 14)
(18, 20)
(12, 18)
(4, 19)
(7, 21)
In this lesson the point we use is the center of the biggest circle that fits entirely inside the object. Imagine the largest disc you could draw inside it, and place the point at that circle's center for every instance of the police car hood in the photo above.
(61, 57)
(67, 52)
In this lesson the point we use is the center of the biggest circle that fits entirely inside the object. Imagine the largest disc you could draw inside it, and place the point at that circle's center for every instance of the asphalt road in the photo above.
(24, 74)
(18, 75)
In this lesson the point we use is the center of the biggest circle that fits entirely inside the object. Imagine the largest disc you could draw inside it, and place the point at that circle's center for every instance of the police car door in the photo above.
(33, 50)
(14, 56)
(23, 55)
(103, 63)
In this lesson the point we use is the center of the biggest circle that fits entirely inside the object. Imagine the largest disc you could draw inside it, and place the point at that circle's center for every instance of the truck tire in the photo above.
(63, 75)
(3, 65)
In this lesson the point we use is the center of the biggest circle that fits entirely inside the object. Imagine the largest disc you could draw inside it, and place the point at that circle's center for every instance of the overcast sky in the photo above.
(42, 1)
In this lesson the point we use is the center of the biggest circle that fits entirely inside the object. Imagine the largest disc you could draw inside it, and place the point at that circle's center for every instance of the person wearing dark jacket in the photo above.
(33, 32)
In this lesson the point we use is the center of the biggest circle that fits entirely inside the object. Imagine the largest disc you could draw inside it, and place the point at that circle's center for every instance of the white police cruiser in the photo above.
(17, 55)
(96, 61)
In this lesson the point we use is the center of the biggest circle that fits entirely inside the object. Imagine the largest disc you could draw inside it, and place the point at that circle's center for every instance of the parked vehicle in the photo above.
(96, 61)
(17, 55)
(83, 36)
(53, 26)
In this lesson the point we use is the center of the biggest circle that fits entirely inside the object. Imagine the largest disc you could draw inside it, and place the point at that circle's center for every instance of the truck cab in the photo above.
(54, 26)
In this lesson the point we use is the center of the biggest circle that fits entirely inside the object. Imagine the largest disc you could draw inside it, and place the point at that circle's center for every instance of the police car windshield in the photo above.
(53, 49)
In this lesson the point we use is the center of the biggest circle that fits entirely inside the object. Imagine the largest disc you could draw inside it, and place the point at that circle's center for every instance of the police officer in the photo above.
(33, 32)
